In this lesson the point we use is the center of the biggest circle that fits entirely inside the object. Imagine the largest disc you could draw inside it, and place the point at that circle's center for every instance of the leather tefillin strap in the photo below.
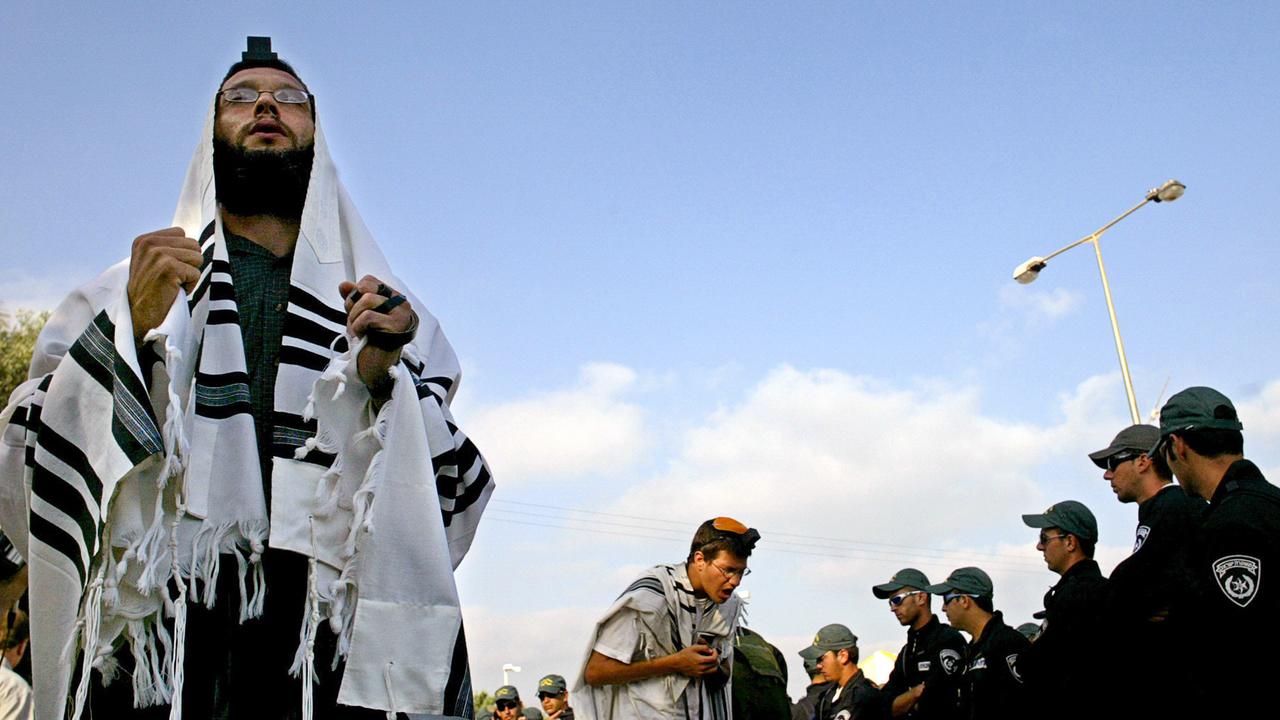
(388, 339)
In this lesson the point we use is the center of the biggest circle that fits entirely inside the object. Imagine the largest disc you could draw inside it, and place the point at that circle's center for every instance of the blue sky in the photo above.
(743, 258)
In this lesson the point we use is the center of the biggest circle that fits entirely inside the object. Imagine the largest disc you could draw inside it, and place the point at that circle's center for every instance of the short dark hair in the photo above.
(984, 602)
(275, 63)
(1213, 442)
(710, 541)
(1086, 546)
(1160, 464)
(853, 654)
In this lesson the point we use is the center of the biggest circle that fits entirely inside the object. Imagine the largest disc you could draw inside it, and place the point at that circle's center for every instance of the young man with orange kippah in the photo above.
(665, 647)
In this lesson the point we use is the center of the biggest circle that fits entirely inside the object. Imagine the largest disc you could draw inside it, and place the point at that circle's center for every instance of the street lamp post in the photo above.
(508, 668)
(1030, 270)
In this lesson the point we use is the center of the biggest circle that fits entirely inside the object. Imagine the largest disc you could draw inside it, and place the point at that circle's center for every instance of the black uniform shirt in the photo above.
(1148, 583)
(806, 707)
(1058, 666)
(992, 684)
(859, 700)
(933, 655)
(1235, 563)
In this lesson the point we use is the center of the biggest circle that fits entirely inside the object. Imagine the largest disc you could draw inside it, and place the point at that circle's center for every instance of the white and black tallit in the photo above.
(116, 490)
(669, 617)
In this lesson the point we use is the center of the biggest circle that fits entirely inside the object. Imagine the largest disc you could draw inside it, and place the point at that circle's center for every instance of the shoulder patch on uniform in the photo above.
(1012, 661)
(950, 661)
(1140, 537)
(1238, 577)
(924, 665)
(978, 664)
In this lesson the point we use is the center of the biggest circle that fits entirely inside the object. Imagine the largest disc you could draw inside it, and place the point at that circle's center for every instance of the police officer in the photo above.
(553, 692)
(927, 672)
(852, 696)
(507, 705)
(1236, 554)
(1060, 665)
(806, 707)
(1148, 588)
(991, 686)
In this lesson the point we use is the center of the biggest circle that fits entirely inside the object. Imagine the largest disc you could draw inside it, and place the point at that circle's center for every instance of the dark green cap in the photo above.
(532, 713)
(1068, 515)
(1196, 408)
(906, 577)
(507, 692)
(1135, 438)
(967, 580)
(552, 685)
(833, 637)
(1029, 630)
(810, 656)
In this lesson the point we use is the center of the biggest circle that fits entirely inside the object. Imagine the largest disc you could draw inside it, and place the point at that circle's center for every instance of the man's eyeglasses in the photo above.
(288, 96)
(897, 600)
(505, 705)
(952, 596)
(1044, 539)
(732, 573)
(1119, 459)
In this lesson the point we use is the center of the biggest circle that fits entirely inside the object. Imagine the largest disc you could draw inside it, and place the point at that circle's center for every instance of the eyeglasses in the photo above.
(1118, 459)
(732, 573)
(952, 596)
(505, 705)
(1044, 539)
(288, 95)
(897, 600)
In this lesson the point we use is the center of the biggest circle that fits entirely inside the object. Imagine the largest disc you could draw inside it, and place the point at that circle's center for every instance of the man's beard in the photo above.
(261, 182)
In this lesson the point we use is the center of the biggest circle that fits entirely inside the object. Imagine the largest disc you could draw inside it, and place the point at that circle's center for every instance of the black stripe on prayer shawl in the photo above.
(293, 355)
(67, 500)
(222, 395)
(457, 690)
(206, 274)
(290, 433)
(436, 387)
(221, 290)
(133, 422)
(19, 417)
(223, 317)
(451, 484)
(309, 302)
(64, 544)
(653, 585)
(308, 330)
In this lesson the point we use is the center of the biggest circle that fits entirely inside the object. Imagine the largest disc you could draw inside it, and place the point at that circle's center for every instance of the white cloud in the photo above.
(564, 434)
(1040, 306)
(823, 448)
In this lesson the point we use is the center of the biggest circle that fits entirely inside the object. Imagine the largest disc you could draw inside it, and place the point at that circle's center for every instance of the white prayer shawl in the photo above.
(669, 619)
(112, 489)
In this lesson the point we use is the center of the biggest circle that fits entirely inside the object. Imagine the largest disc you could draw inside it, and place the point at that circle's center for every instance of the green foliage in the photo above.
(17, 341)
(483, 700)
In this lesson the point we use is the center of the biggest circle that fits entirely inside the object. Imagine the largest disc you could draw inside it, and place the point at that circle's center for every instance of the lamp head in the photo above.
(1168, 192)
(1029, 270)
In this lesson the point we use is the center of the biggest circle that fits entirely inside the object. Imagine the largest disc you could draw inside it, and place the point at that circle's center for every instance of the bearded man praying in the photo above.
(233, 472)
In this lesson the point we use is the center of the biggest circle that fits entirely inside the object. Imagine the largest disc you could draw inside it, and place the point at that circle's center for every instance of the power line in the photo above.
(815, 541)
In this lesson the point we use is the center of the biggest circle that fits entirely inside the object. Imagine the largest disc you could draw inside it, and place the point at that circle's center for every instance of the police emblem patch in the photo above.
(1012, 661)
(950, 661)
(1140, 537)
(1238, 577)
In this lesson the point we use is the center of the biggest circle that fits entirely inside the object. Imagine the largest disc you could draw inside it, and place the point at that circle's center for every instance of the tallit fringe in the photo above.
(208, 546)
(87, 630)
(343, 607)
(304, 661)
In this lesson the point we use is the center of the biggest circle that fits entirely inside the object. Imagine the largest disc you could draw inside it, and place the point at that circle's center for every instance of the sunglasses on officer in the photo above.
(898, 599)
(1119, 459)
(952, 596)
(505, 705)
